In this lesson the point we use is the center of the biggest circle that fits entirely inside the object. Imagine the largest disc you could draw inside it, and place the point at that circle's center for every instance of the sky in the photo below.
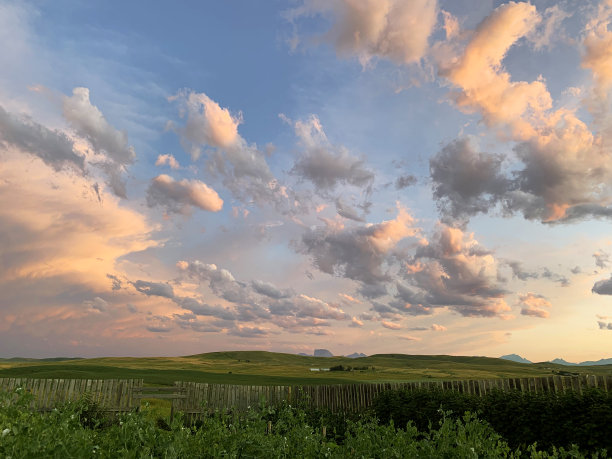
(376, 176)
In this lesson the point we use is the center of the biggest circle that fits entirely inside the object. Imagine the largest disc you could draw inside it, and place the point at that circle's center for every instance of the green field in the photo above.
(269, 368)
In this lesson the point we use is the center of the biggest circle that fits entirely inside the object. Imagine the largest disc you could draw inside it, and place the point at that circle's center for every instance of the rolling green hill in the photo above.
(270, 368)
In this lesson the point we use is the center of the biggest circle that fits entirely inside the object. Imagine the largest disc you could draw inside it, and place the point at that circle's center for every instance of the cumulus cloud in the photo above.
(604, 325)
(56, 232)
(390, 325)
(154, 288)
(389, 29)
(347, 211)
(603, 287)
(438, 328)
(169, 160)
(520, 273)
(565, 171)
(270, 290)
(357, 253)
(242, 166)
(597, 45)
(97, 304)
(324, 164)
(466, 182)
(199, 308)
(549, 29)
(89, 123)
(482, 82)
(52, 146)
(602, 259)
(249, 332)
(451, 270)
(258, 301)
(180, 196)
(404, 181)
(534, 305)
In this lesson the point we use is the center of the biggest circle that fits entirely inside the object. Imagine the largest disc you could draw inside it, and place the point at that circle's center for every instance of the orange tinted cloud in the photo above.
(485, 86)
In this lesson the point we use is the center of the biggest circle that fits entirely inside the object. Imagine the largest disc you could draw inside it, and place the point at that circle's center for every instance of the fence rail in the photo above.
(195, 399)
(111, 394)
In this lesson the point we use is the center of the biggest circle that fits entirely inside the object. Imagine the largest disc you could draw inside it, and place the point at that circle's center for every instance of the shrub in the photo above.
(521, 418)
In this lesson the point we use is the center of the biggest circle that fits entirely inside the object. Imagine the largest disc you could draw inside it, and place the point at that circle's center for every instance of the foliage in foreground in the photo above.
(522, 418)
(81, 430)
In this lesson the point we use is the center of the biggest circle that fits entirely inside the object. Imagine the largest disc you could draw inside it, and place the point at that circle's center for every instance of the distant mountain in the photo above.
(563, 362)
(322, 353)
(597, 362)
(583, 364)
(305, 355)
(356, 355)
(515, 358)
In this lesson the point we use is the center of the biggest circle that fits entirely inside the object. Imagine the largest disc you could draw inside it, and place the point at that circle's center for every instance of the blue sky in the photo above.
(423, 177)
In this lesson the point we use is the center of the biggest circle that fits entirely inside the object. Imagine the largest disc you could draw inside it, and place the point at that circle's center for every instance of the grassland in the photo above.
(268, 368)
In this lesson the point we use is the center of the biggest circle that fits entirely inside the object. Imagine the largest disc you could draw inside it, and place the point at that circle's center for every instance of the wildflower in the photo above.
(5, 432)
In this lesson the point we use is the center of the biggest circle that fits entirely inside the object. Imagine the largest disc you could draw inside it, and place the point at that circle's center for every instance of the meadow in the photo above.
(270, 368)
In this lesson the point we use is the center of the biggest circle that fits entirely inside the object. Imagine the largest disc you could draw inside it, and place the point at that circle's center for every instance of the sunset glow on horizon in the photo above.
(389, 176)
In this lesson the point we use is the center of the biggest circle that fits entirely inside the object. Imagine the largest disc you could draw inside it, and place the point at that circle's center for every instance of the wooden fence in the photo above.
(355, 397)
(195, 399)
(111, 394)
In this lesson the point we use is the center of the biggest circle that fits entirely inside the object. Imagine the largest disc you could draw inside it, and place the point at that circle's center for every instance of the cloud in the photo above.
(349, 298)
(438, 328)
(547, 274)
(597, 44)
(116, 282)
(563, 177)
(391, 325)
(243, 167)
(180, 196)
(62, 231)
(158, 329)
(257, 301)
(565, 168)
(603, 287)
(357, 253)
(169, 160)
(53, 147)
(409, 338)
(207, 123)
(604, 325)
(451, 270)
(356, 323)
(390, 29)
(89, 123)
(519, 272)
(533, 304)
(602, 259)
(465, 182)
(269, 290)
(404, 181)
(324, 164)
(97, 304)
(199, 308)
(346, 211)
(249, 332)
(154, 288)
(483, 84)
(549, 29)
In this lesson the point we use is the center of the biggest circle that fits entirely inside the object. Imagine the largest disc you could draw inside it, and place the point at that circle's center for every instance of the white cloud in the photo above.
(391, 29)
(180, 196)
(169, 160)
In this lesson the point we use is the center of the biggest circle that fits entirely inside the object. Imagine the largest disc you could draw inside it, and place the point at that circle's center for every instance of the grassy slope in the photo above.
(258, 368)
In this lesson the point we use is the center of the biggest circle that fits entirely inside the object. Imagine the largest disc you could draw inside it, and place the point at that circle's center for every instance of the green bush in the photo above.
(64, 433)
(521, 418)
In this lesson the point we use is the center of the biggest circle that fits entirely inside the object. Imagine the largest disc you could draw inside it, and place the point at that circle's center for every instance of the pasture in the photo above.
(269, 368)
